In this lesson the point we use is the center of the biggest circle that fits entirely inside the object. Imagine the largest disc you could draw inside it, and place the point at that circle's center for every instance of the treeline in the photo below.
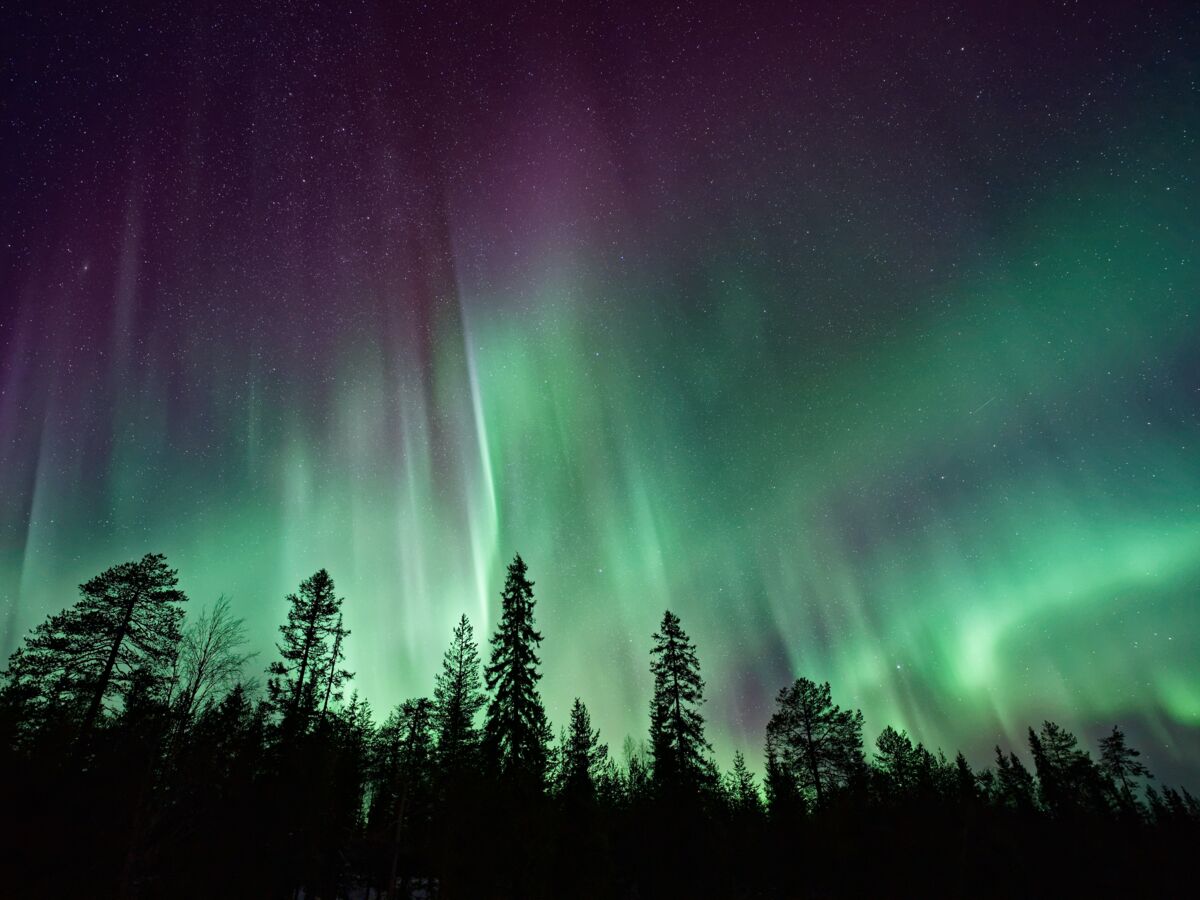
(140, 758)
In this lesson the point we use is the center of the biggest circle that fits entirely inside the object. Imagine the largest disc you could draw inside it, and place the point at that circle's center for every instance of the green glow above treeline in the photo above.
(969, 507)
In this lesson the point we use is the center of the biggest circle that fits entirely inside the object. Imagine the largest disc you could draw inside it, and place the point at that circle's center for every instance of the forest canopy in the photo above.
(144, 756)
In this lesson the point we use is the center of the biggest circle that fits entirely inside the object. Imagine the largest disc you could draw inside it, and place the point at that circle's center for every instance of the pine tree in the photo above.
(1159, 813)
(987, 786)
(334, 676)
(1191, 805)
(897, 760)
(740, 787)
(1176, 804)
(1014, 783)
(402, 779)
(1068, 780)
(678, 748)
(637, 771)
(965, 784)
(458, 698)
(309, 664)
(815, 741)
(785, 803)
(583, 758)
(124, 628)
(331, 771)
(1120, 764)
(516, 732)
(352, 735)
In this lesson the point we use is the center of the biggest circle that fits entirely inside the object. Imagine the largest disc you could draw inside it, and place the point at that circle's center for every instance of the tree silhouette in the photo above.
(516, 732)
(185, 769)
(1067, 777)
(897, 760)
(309, 664)
(583, 758)
(965, 783)
(457, 699)
(343, 744)
(335, 676)
(402, 792)
(124, 628)
(678, 747)
(818, 744)
(1120, 763)
(739, 785)
(785, 802)
(1014, 783)
(210, 658)
(637, 771)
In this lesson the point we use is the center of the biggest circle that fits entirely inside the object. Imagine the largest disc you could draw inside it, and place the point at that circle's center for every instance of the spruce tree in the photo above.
(813, 740)
(516, 732)
(458, 698)
(583, 757)
(740, 787)
(124, 630)
(965, 784)
(678, 748)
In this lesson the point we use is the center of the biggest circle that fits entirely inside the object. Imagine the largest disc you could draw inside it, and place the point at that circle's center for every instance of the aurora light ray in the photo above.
(887, 380)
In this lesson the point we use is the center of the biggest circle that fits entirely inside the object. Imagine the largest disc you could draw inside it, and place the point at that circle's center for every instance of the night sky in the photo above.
(866, 338)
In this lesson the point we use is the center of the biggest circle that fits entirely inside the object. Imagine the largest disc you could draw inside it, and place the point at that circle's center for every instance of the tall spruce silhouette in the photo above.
(966, 785)
(457, 699)
(310, 651)
(516, 731)
(678, 748)
(815, 742)
(124, 631)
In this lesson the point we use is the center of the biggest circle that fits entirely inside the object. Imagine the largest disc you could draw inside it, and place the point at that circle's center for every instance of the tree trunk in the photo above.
(811, 753)
(93, 710)
(310, 637)
(337, 646)
(391, 885)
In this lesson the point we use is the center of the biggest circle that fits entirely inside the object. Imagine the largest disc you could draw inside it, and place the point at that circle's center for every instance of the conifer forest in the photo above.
(146, 757)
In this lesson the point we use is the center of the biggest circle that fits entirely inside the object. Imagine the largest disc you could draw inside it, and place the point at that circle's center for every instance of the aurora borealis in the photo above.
(865, 338)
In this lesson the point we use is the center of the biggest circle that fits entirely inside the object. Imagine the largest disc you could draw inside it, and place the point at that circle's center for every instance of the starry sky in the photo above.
(865, 337)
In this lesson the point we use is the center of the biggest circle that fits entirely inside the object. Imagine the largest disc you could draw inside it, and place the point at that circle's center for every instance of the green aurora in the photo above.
(961, 483)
